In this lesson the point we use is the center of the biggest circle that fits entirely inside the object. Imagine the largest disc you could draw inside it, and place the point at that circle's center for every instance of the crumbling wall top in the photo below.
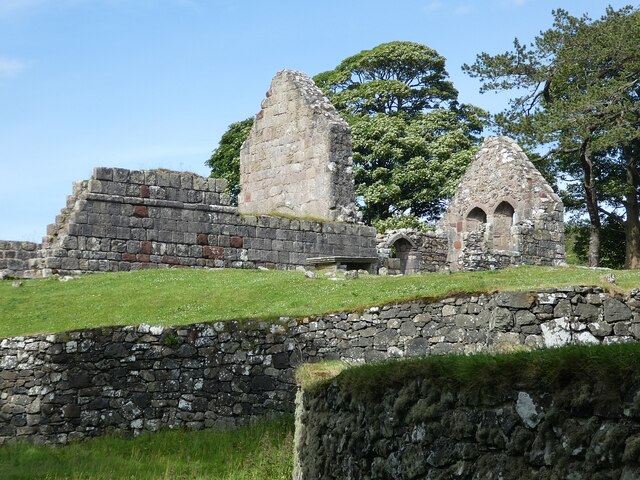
(297, 158)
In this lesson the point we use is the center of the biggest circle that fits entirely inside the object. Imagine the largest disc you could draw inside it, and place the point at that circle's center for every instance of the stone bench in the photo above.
(337, 263)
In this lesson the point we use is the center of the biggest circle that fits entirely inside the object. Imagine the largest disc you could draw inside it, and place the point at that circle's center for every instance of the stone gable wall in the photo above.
(121, 220)
(502, 174)
(297, 158)
(57, 388)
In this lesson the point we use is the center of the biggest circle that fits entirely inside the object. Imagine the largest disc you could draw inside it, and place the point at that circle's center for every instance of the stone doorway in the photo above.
(408, 256)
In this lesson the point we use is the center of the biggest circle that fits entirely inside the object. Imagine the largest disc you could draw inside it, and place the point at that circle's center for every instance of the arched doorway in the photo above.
(406, 252)
(502, 222)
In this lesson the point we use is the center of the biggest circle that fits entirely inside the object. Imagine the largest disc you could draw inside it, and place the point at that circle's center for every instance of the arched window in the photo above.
(502, 222)
(408, 255)
(475, 219)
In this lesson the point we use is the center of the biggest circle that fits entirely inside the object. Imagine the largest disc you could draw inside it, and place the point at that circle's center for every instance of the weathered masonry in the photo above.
(18, 259)
(121, 220)
(503, 213)
(296, 208)
(297, 202)
(297, 157)
(74, 385)
(582, 428)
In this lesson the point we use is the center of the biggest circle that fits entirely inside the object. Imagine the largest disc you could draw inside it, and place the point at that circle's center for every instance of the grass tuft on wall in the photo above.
(617, 365)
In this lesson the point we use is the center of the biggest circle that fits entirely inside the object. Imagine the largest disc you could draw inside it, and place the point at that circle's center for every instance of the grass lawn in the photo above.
(183, 296)
(262, 452)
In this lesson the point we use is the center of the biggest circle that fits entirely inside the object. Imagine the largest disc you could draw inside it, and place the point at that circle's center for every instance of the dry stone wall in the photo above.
(122, 220)
(420, 429)
(297, 158)
(57, 388)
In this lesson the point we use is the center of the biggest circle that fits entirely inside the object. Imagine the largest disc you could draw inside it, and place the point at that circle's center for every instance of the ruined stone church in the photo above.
(297, 208)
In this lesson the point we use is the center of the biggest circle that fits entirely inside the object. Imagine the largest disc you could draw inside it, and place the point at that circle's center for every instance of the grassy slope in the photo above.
(263, 452)
(182, 296)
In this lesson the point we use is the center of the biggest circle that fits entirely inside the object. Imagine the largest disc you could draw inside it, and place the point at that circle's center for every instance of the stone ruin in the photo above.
(296, 209)
(297, 160)
(503, 213)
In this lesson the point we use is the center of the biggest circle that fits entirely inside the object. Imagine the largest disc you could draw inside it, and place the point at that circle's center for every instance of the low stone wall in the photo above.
(581, 430)
(57, 388)
(16, 258)
(410, 251)
(533, 246)
(122, 220)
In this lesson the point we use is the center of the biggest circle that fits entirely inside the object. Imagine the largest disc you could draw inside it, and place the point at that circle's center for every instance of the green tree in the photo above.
(395, 77)
(578, 86)
(225, 160)
(412, 141)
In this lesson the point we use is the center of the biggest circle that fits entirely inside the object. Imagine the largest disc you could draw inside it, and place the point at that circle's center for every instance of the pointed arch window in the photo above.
(476, 218)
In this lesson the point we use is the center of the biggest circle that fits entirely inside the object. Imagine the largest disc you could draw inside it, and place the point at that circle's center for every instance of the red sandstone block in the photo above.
(216, 253)
(202, 239)
(170, 260)
(144, 191)
(145, 247)
(140, 211)
(235, 242)
(129, 257)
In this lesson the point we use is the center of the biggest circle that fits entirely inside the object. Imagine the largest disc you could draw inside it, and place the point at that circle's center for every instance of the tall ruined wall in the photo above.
(57, 388)
(503, 196)
(419, 428)
(17, 259)
(297, 157)
(121, 220)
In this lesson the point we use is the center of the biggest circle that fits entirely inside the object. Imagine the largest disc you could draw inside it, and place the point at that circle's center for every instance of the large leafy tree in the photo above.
(577, 86)
(411, 139)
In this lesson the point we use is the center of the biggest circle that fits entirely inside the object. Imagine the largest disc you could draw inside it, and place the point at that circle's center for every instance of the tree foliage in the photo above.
(412, 141)
(395, 77)
(225, 160)
(578, 91)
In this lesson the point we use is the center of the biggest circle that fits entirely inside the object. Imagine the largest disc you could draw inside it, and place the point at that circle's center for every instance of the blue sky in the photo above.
(145, 84)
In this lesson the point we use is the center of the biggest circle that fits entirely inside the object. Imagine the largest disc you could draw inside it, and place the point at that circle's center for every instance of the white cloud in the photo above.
(463, 9)
(10, 67)
(513, 3)
(433, 6)
(12, 7)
